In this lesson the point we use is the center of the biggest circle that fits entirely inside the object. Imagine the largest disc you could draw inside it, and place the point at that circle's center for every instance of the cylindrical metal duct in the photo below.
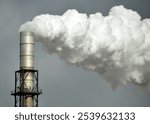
(26, 50)
(27, 63)
(26, 78)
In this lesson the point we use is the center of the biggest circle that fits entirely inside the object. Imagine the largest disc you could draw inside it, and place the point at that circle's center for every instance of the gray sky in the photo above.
(62, 84)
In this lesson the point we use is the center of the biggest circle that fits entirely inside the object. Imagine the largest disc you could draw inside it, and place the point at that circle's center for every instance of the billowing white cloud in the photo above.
(115, 46)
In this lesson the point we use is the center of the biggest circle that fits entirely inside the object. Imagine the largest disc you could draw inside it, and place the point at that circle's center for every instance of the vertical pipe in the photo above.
(15, 88)
(27, 63)
(26, 50)
(37, 78)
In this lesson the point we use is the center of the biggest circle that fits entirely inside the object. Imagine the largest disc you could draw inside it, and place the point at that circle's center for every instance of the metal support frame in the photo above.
(20, 92)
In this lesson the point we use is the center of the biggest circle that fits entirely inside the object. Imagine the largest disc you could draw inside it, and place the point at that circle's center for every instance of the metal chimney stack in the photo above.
(26, 79)
(26, 50)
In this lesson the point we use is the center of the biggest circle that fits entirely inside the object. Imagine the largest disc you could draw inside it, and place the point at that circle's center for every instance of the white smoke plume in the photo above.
(116, 46)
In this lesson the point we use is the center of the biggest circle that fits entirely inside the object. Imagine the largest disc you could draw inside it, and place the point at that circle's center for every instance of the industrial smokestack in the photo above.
(26, 50)
(26, 79)
(27, 62)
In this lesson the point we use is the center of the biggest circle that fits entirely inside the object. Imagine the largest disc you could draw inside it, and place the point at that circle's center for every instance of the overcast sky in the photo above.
(62, 84)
